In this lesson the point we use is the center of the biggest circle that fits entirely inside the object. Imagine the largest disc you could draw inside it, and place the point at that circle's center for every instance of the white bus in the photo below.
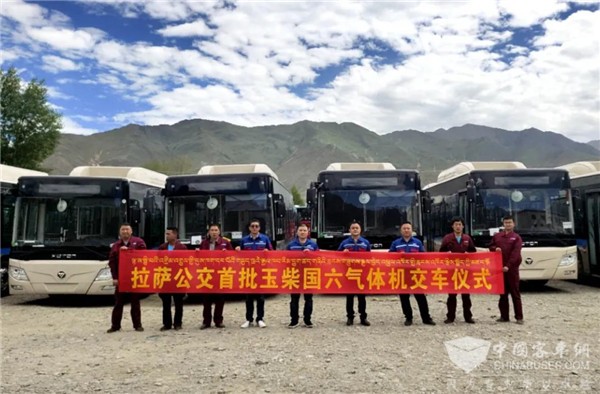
(377, 195)
(64, 226)
(230, 195)
(9, 176)
(482, 193)
(585, 183)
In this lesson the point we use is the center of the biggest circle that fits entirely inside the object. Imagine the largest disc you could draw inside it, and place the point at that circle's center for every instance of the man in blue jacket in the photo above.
(409, 244)
(304, 244)
(255, 241)
(356, 243)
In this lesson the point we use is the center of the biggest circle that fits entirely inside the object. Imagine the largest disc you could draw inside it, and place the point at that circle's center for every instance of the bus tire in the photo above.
(580, 273)
(4, 284)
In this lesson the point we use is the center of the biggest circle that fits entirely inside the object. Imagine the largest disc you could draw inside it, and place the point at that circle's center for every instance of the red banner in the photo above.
(325, 272)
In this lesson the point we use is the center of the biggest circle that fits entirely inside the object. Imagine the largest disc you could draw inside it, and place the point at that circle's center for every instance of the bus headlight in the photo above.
(104, 274)
(18, 273)
(567, 260)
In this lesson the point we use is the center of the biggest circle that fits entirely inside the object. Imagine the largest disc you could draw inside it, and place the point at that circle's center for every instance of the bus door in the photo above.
(593, 223)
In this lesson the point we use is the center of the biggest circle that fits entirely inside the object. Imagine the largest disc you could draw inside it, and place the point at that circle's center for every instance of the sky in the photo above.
(384, 65)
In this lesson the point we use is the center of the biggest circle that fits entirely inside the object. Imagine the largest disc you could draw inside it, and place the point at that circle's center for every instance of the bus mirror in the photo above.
(279, 205)
(149, 203)
(427, 202)
(311, 197)
(135, 213)
(471, 191)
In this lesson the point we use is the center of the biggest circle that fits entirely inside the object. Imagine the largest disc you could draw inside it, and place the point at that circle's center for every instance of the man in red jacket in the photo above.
(126, 241)
(510, 244)
(214, 241)
(458, 242)
(172, 238)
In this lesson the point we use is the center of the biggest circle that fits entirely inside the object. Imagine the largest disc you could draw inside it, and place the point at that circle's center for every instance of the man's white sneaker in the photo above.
(246, 324)
(261, 324)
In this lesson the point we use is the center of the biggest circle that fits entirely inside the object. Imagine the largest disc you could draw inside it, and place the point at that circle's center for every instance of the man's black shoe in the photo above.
(429, 322)
(165, 328)
(350, 322)
(140, 328)
(112, 329)
(470, 321)
(448, 321)
(501, 320)
(408, 322)
(365, 322)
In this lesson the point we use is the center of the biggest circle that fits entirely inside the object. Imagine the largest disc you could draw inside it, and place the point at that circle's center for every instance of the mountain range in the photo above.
(297, 152)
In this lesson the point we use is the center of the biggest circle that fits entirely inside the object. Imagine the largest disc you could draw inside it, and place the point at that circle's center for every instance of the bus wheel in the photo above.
(4, 292)
(580, 275)
(4, 287)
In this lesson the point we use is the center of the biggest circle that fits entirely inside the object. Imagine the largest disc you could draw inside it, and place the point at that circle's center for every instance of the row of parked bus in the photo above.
(58, 229)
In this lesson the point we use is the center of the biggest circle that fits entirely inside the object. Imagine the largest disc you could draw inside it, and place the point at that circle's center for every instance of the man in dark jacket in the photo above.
(214, 241)
(510, 244)
(301, 243)
(409, 244)
(356, 243)
(126, 241)
(458, 242)
(172, 238)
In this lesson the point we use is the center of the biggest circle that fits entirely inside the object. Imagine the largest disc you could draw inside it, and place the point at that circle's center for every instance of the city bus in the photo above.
(585, 183)
(64, 227)
(377, 195)
(9, 176)
(482, 193)
(230, 195)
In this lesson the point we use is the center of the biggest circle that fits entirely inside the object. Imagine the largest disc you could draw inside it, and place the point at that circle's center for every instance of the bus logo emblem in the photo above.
(528, 261)
(61, 274)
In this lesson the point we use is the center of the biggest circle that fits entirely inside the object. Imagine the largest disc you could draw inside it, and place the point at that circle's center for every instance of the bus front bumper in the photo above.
(51, 277)
(548, 263)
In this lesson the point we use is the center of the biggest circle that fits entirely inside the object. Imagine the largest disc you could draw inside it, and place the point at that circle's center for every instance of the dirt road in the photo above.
(61, 346)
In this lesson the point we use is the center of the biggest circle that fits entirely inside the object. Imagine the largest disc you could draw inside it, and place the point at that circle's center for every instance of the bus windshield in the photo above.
(535, 210)
(193, 214)
(380, 211)
(56, 221)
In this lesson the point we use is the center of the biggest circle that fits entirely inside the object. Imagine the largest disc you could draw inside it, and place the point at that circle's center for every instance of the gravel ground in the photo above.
(60, 345)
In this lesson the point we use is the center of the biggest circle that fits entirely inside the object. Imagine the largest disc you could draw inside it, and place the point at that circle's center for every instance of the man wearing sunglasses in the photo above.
(255, 241)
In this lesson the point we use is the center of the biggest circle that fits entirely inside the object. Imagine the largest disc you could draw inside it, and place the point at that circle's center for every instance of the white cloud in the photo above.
(527, 13)
(72, 127)
(25, 13)
(95, 119)
(64, 39)
(57, 94)
(192, 29)
(170, 10)
(8, 55)
(56, 64)
(386, 66)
